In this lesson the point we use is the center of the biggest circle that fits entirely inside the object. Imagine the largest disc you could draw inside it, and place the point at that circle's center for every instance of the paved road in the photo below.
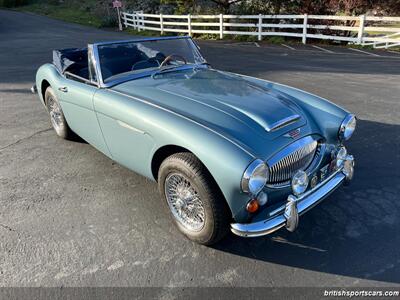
(70, 216)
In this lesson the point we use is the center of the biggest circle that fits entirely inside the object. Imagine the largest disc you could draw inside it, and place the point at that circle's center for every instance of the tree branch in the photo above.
(226, 4)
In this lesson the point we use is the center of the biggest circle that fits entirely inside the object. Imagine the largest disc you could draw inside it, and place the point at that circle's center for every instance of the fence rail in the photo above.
(352, 29)
(391, 40)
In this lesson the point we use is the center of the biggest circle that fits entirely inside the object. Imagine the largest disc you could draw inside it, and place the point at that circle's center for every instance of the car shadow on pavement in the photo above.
(352, 233)
(77, 139)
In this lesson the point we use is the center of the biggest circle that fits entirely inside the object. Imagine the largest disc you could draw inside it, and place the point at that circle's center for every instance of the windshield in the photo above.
(135, 57)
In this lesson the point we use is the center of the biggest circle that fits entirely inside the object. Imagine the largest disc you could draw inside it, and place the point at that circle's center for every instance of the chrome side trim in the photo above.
(127, 126)
(303, 203)
(282, 123)
(79, 78)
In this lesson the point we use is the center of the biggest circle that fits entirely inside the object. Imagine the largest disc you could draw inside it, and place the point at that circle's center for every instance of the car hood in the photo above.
(235, 107)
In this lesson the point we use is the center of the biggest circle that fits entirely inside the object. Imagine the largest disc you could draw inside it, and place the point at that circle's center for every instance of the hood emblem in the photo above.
(293, 134)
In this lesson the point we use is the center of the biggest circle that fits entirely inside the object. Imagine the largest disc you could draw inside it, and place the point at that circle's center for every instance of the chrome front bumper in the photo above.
(34, 89)
(288, 215)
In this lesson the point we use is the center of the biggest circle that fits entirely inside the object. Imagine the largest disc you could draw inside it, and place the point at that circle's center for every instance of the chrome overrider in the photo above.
(288, 215)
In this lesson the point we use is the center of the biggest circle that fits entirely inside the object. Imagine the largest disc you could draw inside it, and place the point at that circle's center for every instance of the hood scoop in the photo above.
(272, 118)
(282, 123)
(238, 108)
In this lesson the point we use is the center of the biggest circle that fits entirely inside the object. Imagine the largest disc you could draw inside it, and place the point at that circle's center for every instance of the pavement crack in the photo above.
(24, 138)
(284, 241)
(7, 227)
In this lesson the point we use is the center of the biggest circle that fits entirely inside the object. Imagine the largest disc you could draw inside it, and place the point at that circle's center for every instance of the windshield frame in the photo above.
(96, 60)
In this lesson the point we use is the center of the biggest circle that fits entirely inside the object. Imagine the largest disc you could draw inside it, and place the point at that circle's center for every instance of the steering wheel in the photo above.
(146, 63)
(172, 57)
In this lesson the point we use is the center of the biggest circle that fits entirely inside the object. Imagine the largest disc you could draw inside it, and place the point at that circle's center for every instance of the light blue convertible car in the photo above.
(228, 151)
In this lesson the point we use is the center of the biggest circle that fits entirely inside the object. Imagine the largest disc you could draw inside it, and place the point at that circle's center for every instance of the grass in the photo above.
(356, 46)
(149, 33)
(63, 12)
(392, 25)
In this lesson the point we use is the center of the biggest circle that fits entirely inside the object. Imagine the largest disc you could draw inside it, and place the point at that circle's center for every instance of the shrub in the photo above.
(108, 21)
(245, 38)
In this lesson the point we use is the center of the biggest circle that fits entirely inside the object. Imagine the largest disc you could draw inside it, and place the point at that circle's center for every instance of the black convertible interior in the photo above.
(73, 60)
(114, 60)
(125, 58)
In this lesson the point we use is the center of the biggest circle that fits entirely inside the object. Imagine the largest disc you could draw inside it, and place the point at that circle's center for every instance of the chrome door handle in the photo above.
(63, 89)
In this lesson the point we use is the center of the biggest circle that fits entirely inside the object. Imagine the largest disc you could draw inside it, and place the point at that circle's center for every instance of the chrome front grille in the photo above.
(297, 156)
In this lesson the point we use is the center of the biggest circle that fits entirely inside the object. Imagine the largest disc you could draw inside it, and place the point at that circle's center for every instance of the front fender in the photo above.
(327, 116)
(159, 127)
(224, 162)
(49, 73)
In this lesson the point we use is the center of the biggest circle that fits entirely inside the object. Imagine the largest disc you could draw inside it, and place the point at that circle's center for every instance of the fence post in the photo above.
(189, 24)
(141, 20)
(137, 21)
(119, 19)
(126, 20)
(161, 24)
(260, 21)
(361, 30)
(305, 21)
(134, 20)
(221, 26)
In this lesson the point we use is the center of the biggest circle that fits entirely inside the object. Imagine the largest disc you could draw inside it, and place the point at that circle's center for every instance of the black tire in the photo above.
(57, 117)
(217, 215)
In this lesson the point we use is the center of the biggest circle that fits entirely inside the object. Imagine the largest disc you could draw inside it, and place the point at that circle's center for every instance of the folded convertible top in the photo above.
(65, 58)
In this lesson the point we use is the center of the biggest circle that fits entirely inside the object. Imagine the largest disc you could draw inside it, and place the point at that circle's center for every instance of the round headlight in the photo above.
(299, 182)
(347, 127)
(341, 157)
(255, 177)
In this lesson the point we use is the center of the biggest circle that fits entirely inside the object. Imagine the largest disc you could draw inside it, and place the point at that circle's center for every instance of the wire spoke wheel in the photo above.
(184, 202)
(55, 114)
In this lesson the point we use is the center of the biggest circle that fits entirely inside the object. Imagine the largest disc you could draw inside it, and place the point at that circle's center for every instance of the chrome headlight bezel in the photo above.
(340, 157)
(347, 127)
(250, 183)
(299, 182)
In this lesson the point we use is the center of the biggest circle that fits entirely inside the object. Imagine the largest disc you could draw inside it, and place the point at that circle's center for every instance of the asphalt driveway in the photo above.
(69, 216)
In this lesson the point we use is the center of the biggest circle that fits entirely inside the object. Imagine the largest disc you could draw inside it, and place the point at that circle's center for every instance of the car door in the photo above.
(76, 99)
(124, 131)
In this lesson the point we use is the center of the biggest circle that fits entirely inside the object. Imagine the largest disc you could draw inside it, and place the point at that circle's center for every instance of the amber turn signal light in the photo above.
(252, 206)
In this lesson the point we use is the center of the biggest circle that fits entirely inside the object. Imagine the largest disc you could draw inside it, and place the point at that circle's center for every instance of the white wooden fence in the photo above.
(390, 40)
(298, 26)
